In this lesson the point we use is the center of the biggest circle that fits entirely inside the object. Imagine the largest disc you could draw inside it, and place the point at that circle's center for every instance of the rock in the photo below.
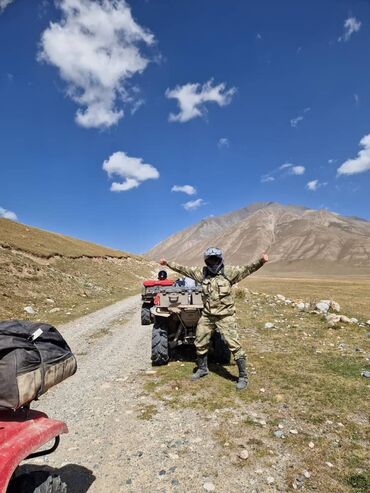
(354, 320)
(244, 454)
(279, 433)
(280, 297)
(329, 464)
(334, 306)
(50, 300)
(332, 317)
(293, 432)
(368, 322)
(54, 310)
(345, 319)
(29, 310)
(366, 374)
(300, 306)
(269, 325)
(322, 306)
(208, 486)
(270, 480)
(306, 474)
(311, 445)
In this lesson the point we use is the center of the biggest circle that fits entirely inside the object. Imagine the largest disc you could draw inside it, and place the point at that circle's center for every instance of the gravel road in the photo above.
(109, 448)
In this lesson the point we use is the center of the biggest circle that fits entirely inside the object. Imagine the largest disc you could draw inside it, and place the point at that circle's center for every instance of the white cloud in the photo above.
(295, 121)
(312, 185)
(131, 169)
(267, 179)
(357, 99)
(188, 189)
(283, 170)
(292, 169)
(193, 204)
(4, 4)
(258, 36)
(286, 165)
(361, 163)
(96, 49)
(297, 170)
(8, 214)
(192, 98)
(223, 143)
(331, 161)
(351, 25)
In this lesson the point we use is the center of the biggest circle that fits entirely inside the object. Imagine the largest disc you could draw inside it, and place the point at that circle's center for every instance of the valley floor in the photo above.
(303, 422)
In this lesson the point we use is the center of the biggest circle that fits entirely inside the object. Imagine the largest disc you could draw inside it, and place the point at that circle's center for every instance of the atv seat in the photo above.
(22, 433)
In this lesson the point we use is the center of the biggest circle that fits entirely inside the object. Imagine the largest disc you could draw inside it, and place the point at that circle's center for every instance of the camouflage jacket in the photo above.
(217, 294)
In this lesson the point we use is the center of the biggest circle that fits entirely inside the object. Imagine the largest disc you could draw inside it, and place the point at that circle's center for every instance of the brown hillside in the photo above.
(60, 277)
(299, 240)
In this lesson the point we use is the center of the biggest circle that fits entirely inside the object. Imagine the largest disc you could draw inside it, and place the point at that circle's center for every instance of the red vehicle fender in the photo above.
(20, 436)
(150, 284)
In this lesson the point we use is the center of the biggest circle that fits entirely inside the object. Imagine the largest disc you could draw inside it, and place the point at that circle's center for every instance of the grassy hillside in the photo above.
(45, 244)
(59, 277)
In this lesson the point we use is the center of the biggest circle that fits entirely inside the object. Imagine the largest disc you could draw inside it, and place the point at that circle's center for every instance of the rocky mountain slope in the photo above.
(55, 278)
(299, 240)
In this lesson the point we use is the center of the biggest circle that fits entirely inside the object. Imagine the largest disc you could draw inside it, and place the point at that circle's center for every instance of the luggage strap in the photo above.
(32, 338)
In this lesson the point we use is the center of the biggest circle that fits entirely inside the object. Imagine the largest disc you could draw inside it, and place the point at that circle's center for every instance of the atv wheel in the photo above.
(146, 316)
(221, 352)
(37, 482)
(160, 355)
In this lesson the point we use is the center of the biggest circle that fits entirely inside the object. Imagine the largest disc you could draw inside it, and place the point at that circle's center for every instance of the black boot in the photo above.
(202, 370)
(243, 377)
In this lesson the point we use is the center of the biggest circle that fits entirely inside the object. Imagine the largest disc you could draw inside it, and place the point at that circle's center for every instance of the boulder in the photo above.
(29, 310)
(332, 319)
(322, 306)
(334, 306)
(345, 319)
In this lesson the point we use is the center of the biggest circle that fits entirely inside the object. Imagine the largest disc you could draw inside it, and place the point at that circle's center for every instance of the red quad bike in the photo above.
(22, 434)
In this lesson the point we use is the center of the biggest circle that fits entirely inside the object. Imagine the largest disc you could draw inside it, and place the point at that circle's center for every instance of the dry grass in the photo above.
(353, 294)
(61, 288)
(45, 244)
(303, 376)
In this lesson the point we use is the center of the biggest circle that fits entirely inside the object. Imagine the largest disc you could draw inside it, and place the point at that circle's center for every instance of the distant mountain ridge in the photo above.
(298, 240)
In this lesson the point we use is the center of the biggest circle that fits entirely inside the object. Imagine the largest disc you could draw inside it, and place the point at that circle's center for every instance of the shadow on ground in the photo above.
(77, 478)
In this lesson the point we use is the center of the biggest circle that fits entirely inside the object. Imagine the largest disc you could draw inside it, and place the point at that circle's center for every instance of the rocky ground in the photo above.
(136, 429)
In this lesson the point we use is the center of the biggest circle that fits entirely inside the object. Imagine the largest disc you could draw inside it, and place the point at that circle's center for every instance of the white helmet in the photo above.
(214, 259)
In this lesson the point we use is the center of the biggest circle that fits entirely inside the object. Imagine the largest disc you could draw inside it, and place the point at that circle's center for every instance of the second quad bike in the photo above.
(175, 314)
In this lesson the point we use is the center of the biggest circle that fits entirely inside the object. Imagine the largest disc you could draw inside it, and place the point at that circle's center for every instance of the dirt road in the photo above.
(110, 447)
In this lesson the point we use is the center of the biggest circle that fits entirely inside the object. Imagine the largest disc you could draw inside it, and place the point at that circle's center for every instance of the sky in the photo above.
(123, 122)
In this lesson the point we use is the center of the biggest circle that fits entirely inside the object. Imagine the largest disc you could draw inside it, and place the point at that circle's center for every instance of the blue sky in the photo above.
(106, 106)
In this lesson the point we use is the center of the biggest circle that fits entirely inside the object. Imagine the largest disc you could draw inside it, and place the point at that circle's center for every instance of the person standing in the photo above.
(219, 306)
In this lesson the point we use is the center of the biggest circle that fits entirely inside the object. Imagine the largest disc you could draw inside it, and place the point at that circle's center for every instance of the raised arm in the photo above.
(195, 273)
(236, 274)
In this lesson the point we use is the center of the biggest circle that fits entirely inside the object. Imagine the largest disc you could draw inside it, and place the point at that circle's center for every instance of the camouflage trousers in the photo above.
(226, 325)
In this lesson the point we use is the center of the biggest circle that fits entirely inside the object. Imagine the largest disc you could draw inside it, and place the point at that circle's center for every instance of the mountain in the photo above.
(56, 278)
(298, 240)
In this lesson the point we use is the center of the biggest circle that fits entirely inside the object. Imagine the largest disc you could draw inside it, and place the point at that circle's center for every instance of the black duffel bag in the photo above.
(33, 358)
